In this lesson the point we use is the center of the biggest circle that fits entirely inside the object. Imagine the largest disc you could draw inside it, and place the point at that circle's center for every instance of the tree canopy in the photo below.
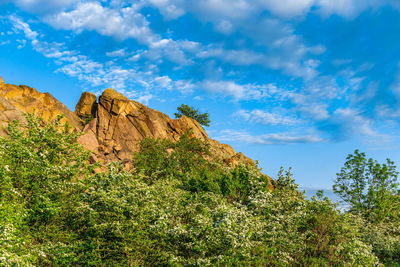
(188, 111)
(177, 207)
(369, 187)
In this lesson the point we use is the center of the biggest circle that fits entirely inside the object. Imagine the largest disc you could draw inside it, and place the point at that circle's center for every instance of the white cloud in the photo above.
(268, 139)
(355, 122)
(236, 57)
(95, 74)
(175, 51)
(224, 13)
(22, 43)
(184, 86)
(5, 42)
(224, 26)
(288, 8)
(309, 106)
(316, 111)
(145, 99)
(121, 23)
(164, 82)
(116, 53)
(239, 10)
(135, 57)
(171, 9)
(50, 50)
(267, 118)
(222, 9)
(346, 8)
(19, 25)
(284, 50)
(340, 62)
(43, 6)
(228, 88)
(317, 96)
(239, 91)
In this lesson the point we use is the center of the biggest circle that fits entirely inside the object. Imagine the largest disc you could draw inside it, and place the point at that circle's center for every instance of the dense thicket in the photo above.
(178, 207)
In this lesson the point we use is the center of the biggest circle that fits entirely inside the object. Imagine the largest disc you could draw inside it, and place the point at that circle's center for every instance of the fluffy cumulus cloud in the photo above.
(121, 23)
(171, 9)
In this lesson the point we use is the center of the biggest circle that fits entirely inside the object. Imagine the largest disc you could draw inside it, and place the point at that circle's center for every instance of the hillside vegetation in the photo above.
(177, 207)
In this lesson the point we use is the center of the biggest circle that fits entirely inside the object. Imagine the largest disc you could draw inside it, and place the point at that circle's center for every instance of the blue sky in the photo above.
(296, 83)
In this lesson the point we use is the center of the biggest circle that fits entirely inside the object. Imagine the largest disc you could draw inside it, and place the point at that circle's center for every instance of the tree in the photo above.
(185, 110)
(176, 208)
(370, 188)
(40, 165)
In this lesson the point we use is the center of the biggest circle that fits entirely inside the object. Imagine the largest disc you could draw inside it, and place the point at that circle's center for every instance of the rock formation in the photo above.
(118, 124)
(113, 126)
(17, 100)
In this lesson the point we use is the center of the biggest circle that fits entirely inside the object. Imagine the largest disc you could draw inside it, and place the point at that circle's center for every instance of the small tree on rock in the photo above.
(185, 110)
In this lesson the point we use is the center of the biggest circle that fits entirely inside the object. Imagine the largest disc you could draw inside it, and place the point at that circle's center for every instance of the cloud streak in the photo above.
(266, 118)
(268, 139)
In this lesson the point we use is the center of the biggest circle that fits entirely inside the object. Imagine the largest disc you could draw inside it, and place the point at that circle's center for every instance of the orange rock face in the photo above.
(112, 127)
(17, 100)
(120, 124)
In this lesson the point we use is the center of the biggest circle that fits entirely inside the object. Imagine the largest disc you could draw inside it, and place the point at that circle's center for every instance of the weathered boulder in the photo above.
(86, 106)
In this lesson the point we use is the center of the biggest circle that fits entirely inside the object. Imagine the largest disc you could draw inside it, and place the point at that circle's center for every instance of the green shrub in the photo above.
(178, 207)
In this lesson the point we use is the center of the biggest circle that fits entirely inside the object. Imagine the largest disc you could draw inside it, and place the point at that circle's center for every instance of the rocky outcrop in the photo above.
(17, 100)
(120, 124)
(112, 126)
(86, 107)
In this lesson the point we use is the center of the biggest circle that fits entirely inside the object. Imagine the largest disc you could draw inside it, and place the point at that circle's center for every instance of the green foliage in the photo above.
(185, 110)
(372, 191)
(189, 161)
(179, 207)
(385, 240)
(163, 159)
(370, 188)
(39, 163)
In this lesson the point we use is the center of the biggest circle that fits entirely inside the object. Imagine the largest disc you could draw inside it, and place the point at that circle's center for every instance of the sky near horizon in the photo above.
(295, 83)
